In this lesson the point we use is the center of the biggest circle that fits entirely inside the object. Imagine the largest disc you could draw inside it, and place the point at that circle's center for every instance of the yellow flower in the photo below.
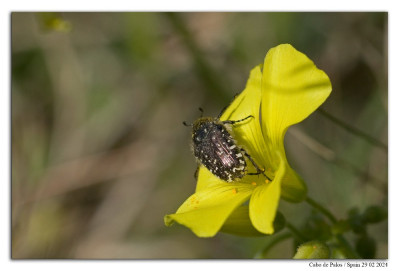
(283, 91)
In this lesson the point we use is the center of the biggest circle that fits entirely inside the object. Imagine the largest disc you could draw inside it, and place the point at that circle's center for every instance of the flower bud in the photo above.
(312, 250)
(374, 214)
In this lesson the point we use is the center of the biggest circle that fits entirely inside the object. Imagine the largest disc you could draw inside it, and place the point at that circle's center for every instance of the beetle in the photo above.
(215, 148)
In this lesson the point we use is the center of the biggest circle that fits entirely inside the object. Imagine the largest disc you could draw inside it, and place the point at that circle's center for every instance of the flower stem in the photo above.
(346, 247)
(272, 243)
(296, 233)
(214, 86)
(353, 130)
(322, 209)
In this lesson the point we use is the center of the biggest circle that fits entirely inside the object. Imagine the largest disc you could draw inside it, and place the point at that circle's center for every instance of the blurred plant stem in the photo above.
(345, 246)
(330, 156)
(321, 209)
(296, 233)
(276, 240)
(354, 130)
(214, 85)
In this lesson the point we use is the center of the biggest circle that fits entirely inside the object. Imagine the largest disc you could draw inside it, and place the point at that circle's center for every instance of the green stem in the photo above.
(296, 233)
(353, 130)
(273, 242)
(322, 209)
(346, 247)
(214, 85)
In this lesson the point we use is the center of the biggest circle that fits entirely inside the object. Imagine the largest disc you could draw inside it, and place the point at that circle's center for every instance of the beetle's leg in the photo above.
(259, 171)
(236, 121)
(201, 112)
(222, 111)
(196, 173)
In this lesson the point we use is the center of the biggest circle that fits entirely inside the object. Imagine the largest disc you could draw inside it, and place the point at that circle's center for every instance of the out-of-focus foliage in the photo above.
(100, 155)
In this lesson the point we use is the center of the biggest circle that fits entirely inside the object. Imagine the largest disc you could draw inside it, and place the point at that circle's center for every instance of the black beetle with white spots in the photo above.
(215, 148)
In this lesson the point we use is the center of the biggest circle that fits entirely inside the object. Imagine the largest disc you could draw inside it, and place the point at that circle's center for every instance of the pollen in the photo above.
(194, 200)
(254, 183)
(267, 181)
(234, 190)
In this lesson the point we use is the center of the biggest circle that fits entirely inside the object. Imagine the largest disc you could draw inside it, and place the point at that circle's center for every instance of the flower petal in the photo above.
(205, 178)
(239, 223)
(206, 211)
(293, 87)
(293, 187)
(248, 133)
(264, 201)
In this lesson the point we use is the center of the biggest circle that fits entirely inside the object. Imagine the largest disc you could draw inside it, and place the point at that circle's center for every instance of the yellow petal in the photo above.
(205, 178)
(206, 211)
(248, 133)
(293, 87)
(264, 201)
(239, 223)
(293, 187)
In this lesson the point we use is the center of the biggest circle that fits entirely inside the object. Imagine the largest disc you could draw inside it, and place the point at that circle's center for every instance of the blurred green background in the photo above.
(99, 152)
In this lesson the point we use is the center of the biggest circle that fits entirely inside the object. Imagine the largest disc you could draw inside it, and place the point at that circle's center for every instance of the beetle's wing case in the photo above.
(222, 148)
(226, 160)
(215, 148)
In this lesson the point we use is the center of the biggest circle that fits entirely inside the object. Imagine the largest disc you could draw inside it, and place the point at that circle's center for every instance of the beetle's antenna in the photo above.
(202, 111)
